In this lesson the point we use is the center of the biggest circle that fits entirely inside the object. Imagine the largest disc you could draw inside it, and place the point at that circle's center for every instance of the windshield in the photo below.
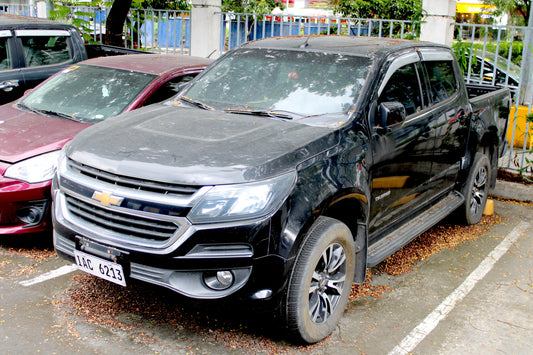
(303, 83)
(87, 93)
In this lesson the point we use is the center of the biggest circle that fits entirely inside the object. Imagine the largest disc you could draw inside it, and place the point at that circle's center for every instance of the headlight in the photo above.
(226, 203)
(33, 170)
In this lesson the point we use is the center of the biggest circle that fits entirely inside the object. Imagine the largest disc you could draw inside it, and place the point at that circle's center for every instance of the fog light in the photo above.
(32, 213)
(219, 280)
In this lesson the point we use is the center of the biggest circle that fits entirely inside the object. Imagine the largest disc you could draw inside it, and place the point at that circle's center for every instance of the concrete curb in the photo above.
(513, 191)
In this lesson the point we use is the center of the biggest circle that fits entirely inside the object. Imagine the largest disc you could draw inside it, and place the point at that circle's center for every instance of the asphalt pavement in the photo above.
(475, 298)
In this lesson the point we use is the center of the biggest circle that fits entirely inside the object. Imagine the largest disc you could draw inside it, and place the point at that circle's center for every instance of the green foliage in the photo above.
(162, 4)
(257, 7)
(64, 13)
(463, 51)
(383, 9)
(513, 8)
(503, 50)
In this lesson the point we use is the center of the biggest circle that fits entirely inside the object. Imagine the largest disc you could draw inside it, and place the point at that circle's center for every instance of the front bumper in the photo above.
(24, 207)
(186, 264)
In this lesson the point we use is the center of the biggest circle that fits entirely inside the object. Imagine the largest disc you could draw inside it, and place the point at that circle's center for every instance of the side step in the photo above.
(380, 250)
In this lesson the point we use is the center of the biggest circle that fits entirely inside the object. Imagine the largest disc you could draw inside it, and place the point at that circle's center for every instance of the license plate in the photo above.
(96, 266)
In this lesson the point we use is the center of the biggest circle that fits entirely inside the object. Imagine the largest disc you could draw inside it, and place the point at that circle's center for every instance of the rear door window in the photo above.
(5, 62)
(442, 81)
(45, 47)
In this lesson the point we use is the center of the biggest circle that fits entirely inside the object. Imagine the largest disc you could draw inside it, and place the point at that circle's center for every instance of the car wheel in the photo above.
(320, 281)
(476, 190)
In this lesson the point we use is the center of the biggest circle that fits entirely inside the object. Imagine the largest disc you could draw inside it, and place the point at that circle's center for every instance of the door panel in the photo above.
(401, 151)
(451, 112)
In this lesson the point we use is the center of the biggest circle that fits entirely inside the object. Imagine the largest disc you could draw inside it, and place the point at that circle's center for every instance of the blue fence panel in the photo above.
(264, 29)
(242, 31)
(147, 33)
(170, 33)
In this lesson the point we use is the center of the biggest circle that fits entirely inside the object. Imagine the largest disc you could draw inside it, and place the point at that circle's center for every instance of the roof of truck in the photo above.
(8, 20)
(363, 46)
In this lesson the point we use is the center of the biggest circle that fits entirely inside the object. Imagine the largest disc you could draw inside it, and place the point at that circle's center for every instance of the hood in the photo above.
(192, 146)
(24, 134)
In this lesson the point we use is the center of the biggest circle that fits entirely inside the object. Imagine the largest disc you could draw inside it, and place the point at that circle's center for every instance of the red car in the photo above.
(35, 128)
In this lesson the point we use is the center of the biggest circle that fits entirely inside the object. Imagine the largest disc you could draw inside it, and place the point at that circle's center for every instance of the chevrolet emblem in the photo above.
(107, 199)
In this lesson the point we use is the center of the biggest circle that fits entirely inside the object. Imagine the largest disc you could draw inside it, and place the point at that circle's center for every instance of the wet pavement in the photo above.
(492, 314)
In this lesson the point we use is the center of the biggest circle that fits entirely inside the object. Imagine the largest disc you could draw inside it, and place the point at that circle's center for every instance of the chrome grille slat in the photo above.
(122, 223)
(171, 228)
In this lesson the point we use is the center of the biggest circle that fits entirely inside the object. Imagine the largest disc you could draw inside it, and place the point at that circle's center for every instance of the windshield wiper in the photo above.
(196, 103)
(267, 113)
(48, 112)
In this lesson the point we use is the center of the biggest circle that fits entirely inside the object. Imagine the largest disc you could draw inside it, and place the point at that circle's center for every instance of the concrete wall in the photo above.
(437, 26)
(205, 28)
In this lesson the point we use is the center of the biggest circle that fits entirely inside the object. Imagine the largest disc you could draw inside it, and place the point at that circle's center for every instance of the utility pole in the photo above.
(526, 75)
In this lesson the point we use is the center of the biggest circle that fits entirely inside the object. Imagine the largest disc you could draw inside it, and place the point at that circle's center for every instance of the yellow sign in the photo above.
(464, 8)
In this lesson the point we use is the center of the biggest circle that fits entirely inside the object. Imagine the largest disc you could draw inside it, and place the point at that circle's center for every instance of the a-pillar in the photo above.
(438, 22)
(205, 28)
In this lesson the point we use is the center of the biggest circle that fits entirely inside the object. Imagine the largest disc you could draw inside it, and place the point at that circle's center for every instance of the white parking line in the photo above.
(63, 270)
(418, 334)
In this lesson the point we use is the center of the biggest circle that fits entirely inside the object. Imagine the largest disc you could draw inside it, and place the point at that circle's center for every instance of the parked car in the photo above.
(32, 49)
(282, 173)
(507, 74)
(35, 128)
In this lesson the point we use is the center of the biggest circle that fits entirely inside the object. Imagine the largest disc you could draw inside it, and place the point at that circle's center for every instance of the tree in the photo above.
(382, 9)
(512, 7)
(250, 6)
(119, 11)
(114, 26)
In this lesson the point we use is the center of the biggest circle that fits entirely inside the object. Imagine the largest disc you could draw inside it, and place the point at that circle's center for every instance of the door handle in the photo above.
(8, 85)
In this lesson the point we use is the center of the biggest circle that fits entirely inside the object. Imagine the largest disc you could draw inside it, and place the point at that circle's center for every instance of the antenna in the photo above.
(210, 54)
(306, 43)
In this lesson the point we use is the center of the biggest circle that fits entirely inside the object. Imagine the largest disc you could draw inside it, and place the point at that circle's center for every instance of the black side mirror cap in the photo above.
(391, 112)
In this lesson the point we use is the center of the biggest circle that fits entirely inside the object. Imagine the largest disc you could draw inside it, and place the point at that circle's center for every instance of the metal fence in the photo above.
(239, 28)
(158, 31)
(493, 55)
(488, 54)
(18, 9)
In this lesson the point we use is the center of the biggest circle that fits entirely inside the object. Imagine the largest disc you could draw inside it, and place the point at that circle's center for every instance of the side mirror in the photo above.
(391, 113)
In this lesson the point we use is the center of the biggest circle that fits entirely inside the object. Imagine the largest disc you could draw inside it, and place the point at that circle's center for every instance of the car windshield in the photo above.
(87, 93)
(295, 84)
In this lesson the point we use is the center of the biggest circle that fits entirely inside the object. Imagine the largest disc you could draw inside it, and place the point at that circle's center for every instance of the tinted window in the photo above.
(168, 89)
(403, 87)
(4, 54)
(45, 50)
(441, 79)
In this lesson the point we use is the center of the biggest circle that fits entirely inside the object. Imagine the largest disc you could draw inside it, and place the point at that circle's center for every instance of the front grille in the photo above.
(137, 226)
(132, 183)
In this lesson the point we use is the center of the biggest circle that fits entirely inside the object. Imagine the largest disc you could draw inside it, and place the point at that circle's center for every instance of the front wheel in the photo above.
(320, 281)
(476, 190)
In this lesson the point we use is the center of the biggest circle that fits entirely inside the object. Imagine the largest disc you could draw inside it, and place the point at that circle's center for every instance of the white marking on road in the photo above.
(63, 270)
(418, 334)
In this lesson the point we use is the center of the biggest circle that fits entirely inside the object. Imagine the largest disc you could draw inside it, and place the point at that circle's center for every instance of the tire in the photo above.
(476, 190)
(320, 282)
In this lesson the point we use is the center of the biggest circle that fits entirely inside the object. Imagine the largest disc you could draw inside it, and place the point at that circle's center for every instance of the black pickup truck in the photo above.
(282, 173)
(32, 49)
